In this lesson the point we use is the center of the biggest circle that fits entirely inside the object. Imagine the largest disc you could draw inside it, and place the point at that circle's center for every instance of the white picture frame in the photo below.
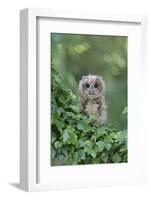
(30, 164)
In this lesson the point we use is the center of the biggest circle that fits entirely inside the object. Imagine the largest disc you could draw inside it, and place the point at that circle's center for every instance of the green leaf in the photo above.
(84, 126)
(57, 144)
(108, 146)
(116, 158)
(124, 158)
(75, 158)
(122, 136)
(88, 146)
(123, 149)
(58, 80)
(61, 157)
(81, 143)
(80, 126)
(91, 119)
(60, 124)
(53, 136)
(100, 145)
(81, 154)
(64, 151)
(101, 131)
(104, 157)
(70, 129)
(70, 114)
(108, 139)
(93, 153)
(62, 99)
(60, 110)
(74, 108)
(54, 117)
(65, 136)
(88, 143)
(73, 138)
(53, 153)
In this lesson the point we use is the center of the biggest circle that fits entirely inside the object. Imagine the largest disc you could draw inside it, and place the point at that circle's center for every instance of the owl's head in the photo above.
(92, 85)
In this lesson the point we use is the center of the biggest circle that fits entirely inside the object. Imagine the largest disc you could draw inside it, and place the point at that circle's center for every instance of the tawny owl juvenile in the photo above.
(92, 97)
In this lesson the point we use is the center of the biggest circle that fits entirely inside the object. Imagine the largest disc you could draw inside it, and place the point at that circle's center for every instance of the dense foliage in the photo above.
(75, 139)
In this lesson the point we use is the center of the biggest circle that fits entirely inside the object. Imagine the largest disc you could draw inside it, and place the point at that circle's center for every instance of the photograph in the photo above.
(89, 99)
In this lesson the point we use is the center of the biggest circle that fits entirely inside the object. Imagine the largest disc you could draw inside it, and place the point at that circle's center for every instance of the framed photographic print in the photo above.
(81, 77)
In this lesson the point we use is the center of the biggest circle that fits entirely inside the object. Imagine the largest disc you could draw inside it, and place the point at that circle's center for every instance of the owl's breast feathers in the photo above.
(92, 105)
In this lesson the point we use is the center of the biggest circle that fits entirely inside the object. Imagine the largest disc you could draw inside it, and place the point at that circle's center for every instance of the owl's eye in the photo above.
(95, 85)
(87, 85)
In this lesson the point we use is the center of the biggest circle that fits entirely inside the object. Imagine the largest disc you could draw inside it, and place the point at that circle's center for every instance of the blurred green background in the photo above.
(76, 55)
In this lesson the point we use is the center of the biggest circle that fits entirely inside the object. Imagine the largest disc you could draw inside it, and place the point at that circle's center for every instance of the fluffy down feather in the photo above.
(92, 97)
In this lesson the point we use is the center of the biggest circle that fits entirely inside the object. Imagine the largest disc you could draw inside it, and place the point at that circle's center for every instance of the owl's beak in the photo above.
(92, 91)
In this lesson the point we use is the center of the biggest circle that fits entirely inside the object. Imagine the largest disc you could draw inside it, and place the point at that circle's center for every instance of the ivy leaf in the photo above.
(83, 126)
(93, 153)
(54, 117)
(88, 146)
(53, 153)
(91, 119)
(100, 145)
(81, 143)
(101, 131)
(108, 146)
(123, 149)
(75, 158)
(104, 157)
(65, 137)
(122, 136)
(61, 157)
(62, 99)
(59, 124)
(64, 151)
(116, 158)
(73, 138)
(81, 154)
(114, 135)
(125, 158)
(74, 108)
(88, 143)
(80, 126)
(53, 136)
(108, 139)
(60, 110)
(57, 144)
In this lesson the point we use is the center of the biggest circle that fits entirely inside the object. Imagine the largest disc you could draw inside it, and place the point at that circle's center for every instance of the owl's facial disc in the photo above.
(91, 87)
